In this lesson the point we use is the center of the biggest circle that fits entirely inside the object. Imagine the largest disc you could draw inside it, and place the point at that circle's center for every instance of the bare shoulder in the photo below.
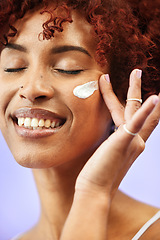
(153, 232)
(126, 211)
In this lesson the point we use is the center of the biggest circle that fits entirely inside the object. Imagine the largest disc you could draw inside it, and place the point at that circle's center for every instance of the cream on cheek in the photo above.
(85, 90)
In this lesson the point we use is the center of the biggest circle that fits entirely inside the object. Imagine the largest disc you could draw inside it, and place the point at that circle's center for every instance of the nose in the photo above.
(36, 89)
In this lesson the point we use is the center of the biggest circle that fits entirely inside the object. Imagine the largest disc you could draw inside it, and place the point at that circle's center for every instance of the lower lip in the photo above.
(29, 133)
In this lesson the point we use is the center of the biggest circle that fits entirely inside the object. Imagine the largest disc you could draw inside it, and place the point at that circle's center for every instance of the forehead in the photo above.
(79, 32)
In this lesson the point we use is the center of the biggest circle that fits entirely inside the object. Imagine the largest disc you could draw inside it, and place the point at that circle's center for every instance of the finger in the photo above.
(134, 151)
(134, 92)
(151, 122)
(115, 107)
(139, 118)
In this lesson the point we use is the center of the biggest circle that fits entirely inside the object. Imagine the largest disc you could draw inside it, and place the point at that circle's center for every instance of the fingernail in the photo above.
(107, 78)
(139, 73)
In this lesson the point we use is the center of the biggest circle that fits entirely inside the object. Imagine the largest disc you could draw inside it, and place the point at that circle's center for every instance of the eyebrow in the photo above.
(67, 48)
(16, 47)
(55, 50)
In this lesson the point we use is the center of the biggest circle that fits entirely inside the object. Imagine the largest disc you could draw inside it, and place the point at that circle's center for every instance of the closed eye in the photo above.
(73, 72)
(14, 70)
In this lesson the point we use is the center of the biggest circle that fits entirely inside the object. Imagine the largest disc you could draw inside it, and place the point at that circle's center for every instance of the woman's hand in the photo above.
(100, 177)
(106, 168)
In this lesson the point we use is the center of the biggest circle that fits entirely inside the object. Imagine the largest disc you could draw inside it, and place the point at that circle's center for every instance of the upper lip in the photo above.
(36, 113)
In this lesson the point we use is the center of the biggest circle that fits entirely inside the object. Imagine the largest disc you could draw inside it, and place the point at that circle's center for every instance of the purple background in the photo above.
(19, 203)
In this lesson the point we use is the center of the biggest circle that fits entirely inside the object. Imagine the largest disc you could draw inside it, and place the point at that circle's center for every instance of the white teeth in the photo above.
(35, 123)
(53, 124)
(57, 124)
(20, 121)
(27, 122)
(41, 123)
(47, 123)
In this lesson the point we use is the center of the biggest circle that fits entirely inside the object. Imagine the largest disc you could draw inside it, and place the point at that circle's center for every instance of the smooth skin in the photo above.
(48, 84)
(78, 169)
(102, 174)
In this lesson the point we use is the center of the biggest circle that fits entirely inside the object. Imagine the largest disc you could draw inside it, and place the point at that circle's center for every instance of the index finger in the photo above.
(113, 104)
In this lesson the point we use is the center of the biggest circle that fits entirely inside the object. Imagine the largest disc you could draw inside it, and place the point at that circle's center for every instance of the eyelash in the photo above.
(72, 72)
(14, 70)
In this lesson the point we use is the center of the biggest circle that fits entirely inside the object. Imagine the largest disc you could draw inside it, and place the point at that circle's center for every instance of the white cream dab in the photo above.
(86, 90)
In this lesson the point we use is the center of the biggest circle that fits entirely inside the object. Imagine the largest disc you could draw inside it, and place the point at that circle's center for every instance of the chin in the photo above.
(41, 161)
(29, 160)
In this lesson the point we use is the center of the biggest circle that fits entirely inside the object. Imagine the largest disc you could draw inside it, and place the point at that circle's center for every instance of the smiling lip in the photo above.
(39, 114)
(36, 113)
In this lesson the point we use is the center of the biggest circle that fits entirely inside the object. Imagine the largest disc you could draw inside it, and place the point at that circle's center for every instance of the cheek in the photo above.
(8, 92)
(3, 103)
(85, 103)
(90, 113)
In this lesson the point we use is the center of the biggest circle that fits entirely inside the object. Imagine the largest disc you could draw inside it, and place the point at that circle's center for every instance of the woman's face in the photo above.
(37, 78)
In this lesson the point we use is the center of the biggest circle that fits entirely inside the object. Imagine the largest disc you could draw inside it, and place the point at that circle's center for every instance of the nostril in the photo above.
(22, 96)
(37, 92)
(41, 97)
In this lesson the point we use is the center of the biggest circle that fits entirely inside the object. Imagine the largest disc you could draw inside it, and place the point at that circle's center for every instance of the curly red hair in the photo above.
(123, 38)
(148, 15)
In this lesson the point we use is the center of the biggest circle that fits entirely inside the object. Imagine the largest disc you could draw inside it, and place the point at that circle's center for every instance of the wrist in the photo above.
(98, 200)
(85, 189)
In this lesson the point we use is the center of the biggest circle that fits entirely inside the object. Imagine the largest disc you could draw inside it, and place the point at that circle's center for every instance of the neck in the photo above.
(56, 191)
